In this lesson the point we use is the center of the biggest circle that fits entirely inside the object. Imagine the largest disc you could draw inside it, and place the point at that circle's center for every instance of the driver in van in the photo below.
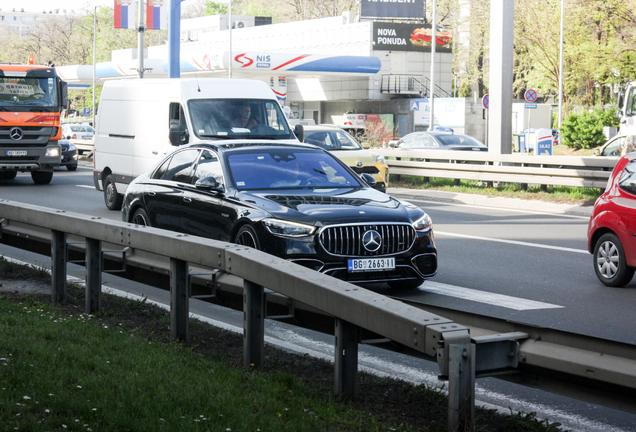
(244, 118)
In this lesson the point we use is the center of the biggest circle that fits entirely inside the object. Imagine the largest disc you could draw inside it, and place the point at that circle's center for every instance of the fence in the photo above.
(585, 367)
(580, 171)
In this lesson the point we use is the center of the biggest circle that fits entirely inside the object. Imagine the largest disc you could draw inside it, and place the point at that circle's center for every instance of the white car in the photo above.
(77, 131)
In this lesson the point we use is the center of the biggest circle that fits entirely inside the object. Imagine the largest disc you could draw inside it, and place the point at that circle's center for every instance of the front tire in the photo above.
(42, 177)
(610, 264)
(112, 199)
(246, 236)
(71, 167)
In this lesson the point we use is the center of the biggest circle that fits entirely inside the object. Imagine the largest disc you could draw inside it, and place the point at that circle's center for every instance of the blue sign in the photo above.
(531, 105)
(87, 112)
(415, 105)
(486, 100)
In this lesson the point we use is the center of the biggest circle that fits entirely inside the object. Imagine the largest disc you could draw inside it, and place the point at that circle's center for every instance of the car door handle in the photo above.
(152, 193)
(187, 199)
(154, 152)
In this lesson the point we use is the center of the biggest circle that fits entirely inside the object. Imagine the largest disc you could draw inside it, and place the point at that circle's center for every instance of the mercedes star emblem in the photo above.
(16, 133)
(372, 240)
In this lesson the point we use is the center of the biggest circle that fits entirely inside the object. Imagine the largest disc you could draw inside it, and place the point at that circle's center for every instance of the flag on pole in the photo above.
(157, 15)
(125, 14)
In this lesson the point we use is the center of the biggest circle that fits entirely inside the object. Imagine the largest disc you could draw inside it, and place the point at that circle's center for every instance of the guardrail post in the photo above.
(58, 266)
(93, 275)
(253, 324)
(346, 358)
(461, 382)
(179, 300)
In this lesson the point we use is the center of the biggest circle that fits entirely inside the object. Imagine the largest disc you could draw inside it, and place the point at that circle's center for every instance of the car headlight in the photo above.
(380, 159)
(424, 223)
(288, 229)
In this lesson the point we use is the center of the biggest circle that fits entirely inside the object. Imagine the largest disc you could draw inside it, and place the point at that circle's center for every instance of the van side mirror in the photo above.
(177, 135)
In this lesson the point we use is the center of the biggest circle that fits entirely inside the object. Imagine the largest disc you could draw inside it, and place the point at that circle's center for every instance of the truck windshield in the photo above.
(238, 118)
(20, 91)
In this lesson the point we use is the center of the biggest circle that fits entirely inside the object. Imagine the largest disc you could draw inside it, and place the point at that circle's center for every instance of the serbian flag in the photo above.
(157, 15)
(125, 14)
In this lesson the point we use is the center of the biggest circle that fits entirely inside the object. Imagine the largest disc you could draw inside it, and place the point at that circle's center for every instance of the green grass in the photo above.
(565, 194)
(71, 372)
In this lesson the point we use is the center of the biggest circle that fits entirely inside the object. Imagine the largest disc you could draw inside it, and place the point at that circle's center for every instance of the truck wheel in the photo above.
(112, 199)
(10, 175)
(41, 177)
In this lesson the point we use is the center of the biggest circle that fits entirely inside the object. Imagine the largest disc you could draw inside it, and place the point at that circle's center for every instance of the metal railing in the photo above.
(410, 85)
(585, 367)
(582, 171)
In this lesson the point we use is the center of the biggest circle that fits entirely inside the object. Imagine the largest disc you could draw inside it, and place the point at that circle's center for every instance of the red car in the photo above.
(611, 234)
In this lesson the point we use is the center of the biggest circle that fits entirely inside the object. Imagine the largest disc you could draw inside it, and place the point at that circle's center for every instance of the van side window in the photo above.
(177, 116)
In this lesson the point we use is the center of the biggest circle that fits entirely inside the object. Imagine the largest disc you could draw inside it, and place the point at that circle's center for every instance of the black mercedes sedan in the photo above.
(295, 201)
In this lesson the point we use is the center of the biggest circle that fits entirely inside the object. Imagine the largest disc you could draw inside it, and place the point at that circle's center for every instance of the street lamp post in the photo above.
(561, 68)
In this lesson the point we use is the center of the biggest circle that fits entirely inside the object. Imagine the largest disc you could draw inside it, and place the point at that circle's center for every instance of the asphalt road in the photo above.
(520, 264)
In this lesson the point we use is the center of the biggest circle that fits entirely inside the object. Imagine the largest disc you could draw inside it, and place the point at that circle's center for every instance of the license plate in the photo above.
(16, 152)
(371, 264)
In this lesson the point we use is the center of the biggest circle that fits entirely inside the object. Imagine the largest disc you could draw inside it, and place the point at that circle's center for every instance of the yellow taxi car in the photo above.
(347, 149)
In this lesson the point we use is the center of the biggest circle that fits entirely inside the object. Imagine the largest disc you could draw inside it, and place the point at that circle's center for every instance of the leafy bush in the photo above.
(377, 133)
(585, 130)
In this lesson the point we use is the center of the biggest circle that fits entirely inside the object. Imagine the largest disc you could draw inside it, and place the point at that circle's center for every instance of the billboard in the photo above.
(409, 37)
(411, 9)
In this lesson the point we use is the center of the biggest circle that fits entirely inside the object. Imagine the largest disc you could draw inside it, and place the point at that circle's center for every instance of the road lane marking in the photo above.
(493, 299)
(514, 242)
(86, 186)
(502, 209)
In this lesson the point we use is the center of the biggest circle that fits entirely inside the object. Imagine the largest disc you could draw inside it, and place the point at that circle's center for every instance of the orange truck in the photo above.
(31, 100)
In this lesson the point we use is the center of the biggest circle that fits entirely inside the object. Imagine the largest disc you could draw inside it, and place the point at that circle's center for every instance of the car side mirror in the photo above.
(209, 184)
(366, 145)
(299, 131)
(178, 135)
(368, 179)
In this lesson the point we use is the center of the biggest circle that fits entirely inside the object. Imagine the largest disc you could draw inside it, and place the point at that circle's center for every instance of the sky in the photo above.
(41, 5)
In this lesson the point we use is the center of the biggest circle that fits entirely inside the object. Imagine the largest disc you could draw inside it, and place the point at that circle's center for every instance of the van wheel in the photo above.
(42, 177)
(112, 199)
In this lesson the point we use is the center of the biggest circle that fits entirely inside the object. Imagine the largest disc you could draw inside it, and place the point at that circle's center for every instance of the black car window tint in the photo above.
(627, 181)
(180, 167)
(161, 171)
(208, 166)
(319, 139)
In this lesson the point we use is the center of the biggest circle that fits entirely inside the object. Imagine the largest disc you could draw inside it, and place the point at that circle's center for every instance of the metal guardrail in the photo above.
(587, 368)
(84, 146)
(580, 171)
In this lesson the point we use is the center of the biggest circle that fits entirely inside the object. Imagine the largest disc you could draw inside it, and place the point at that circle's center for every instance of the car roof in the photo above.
(229, 145)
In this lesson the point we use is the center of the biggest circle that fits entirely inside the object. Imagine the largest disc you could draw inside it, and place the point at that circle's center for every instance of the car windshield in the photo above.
(332, 140)
(288, 169)
(238, 118)
(458, 140)
(82, 129)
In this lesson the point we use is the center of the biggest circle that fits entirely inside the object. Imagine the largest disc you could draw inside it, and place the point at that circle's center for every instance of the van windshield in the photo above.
(238, 118)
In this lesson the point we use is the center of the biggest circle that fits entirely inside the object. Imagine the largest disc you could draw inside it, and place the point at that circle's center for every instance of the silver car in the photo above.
(77, 131)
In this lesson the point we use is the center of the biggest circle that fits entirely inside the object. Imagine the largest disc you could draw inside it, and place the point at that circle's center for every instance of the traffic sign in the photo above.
(486, 100)
(415, 105)
(531, 95)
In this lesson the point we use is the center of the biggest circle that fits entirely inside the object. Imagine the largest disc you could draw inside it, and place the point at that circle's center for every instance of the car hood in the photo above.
(352, 157)
(329, 206)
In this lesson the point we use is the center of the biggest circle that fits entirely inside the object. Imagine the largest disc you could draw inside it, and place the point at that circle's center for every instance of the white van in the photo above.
(141, 120)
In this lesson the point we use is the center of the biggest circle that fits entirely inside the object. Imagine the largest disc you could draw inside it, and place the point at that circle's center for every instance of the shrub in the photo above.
(375, 133)
(585, 130)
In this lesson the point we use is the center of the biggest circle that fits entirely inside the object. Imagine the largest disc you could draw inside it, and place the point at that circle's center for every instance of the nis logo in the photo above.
(262, 61)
